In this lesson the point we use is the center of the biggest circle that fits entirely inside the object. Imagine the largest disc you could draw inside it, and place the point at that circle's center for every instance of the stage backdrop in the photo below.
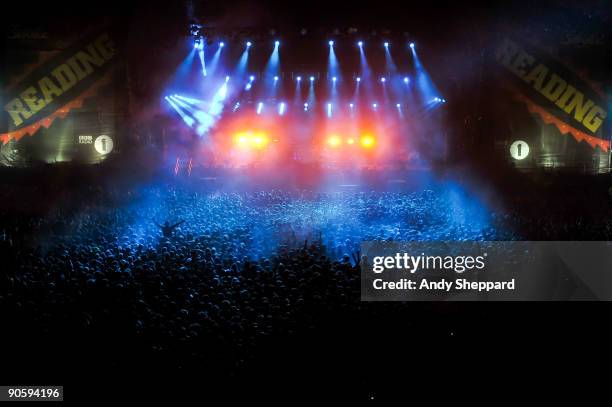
(64, 95)
(557, 114)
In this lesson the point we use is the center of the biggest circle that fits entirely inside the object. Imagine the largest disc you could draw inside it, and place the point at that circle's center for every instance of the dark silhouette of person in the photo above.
(168, 229)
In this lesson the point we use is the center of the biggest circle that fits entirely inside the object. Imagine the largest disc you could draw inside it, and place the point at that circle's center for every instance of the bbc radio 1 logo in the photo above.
(102, 144)
(519, 150)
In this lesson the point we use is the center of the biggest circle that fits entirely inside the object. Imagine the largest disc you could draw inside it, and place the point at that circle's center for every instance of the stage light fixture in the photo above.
(248, 44)
(242, 140)
(331, 43)
(406, 80)
(312, 79)
(383, 79)
(360, 44)
(398, 105)
(276, 43)
(275, 78)
(412, 45)
(334, 141)
(334, 79)
(251, 140)
(260, 141)
(299, 78)
(227, 78)
(358, 79)
(367, 141)
(386, 44)
(351, 105)
(251, 78)
(374, 105)
(221, 45)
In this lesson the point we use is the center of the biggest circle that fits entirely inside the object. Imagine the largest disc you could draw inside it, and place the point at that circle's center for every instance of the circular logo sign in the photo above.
(103, 144)
(519, 150)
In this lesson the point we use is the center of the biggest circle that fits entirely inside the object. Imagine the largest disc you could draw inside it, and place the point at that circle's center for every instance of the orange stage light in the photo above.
(242, 140)
(367, 141)
(334, 140)
(251, 140)
(260, 141)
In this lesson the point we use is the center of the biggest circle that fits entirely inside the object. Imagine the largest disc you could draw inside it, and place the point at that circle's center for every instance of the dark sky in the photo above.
(424, 18)
(313, 12)
(423, 14)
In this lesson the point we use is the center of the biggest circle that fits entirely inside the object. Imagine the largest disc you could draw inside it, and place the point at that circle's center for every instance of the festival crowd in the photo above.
(227, 272)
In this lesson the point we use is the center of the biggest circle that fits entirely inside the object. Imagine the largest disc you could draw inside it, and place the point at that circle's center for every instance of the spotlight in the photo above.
(299, 78)
(412, 45)
(222, 93)
(251, 140)
(305, 107)
(367, 141)
(383, 79)
(221, 45)
(358, 79)
(331, 43)
(227, 78)
(312, 79)
(248, 44)
(242, 140)
(275, 78)
(259, 141)
(386, 44)
(398, 105)
(374, 105)
(334, 79)
(251, 78)
(406, 80)
(351, 105)
(276, 43)
(334, 141)
(360, 44)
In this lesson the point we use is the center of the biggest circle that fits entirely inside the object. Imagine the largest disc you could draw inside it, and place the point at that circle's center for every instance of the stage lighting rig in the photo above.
(196, 30)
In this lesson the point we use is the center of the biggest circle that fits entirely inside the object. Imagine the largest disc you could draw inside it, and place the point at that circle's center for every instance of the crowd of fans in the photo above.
(227, 272)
